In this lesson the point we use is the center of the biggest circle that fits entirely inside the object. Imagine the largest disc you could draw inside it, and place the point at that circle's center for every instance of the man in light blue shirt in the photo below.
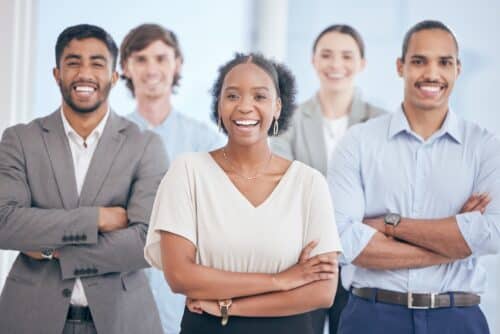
(399, 184)
(151, 60)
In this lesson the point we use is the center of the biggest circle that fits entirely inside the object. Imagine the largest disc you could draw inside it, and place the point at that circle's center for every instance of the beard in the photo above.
(66, 94)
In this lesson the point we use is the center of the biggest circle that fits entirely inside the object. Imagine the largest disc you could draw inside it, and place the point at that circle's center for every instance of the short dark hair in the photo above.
(425, 25)
(343, 29)
(283, 80)
(140, 38)
(83, 31)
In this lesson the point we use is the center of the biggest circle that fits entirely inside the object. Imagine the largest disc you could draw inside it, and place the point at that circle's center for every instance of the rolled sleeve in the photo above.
(481, 232)
(344, 181)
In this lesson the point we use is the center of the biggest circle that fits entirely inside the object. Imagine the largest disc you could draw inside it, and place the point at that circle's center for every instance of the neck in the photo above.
(335, 104)
(154, 111)
(84, 123)
(425, 122)
(248, 158)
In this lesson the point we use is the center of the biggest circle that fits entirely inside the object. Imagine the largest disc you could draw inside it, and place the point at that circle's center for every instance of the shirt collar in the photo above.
(399, 123)
(139, 119)
(97, 132)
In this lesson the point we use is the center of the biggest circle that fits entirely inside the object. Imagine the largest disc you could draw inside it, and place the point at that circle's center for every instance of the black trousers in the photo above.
(333, 313)
(193, 323)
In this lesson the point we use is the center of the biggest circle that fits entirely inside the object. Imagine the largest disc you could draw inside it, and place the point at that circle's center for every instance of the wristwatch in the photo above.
(391, 220)
(224, 306)
(47, 253)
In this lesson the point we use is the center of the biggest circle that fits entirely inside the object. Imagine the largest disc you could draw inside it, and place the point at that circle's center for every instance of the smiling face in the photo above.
(152, 70)
(337, 60)
(85, 75)
(429, 70)
(248, 103)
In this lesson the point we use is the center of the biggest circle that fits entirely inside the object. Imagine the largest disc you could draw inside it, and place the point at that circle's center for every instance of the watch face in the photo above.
(392, 218)
(47, 253)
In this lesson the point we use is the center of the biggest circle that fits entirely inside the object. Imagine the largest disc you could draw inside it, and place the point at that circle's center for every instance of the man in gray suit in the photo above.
(76, 191)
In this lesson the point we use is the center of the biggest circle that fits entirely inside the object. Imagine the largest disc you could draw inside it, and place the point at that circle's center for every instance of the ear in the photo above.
(178, 65)
(363, 64)
(126, 71)
(114, 77)
(459, 67)
(279, 105)
(399, 67)
(57, 74)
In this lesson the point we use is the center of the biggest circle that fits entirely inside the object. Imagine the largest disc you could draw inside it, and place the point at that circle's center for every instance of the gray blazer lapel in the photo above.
(358, 111)
(313, 130)
(57, 146)
(109, 145)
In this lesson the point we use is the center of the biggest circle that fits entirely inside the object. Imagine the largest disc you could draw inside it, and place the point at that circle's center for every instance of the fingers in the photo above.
(477, 202)
(322, 258)
(194, 306)
(306, 251)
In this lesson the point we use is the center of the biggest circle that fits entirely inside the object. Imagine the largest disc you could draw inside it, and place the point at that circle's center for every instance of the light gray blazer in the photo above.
(40, 208)
(304, 141)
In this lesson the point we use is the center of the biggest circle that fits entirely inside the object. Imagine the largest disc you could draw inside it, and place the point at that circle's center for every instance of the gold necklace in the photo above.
(248, 178)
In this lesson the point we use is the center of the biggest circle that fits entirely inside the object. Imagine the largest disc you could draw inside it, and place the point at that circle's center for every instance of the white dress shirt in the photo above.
(333, 131)
(82, 151)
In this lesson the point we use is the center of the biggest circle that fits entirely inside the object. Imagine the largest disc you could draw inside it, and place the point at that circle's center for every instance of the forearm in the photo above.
(117, 251)
(279, 304)
(201, 282)
(31, 229)
(441, 236)
(383, 253)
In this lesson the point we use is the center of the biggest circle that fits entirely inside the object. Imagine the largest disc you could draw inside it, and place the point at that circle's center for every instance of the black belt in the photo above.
(418, 300)
(79, 313)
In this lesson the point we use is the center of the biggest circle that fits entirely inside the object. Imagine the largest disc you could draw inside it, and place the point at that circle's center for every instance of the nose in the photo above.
(246, 104)
(432, 72)
(85, 72)
(336, 61)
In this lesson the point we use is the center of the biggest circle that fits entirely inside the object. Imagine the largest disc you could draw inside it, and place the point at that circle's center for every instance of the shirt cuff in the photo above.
(354, 240)
(474, 231)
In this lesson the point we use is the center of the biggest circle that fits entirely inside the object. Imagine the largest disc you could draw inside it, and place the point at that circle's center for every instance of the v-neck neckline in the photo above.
(235, 189)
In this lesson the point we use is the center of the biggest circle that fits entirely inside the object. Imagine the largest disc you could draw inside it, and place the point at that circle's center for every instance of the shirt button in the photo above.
(66, 293)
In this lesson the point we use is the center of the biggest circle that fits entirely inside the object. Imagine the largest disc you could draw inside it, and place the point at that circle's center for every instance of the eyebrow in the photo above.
(79, 57)
(417, 56)
(254, 88)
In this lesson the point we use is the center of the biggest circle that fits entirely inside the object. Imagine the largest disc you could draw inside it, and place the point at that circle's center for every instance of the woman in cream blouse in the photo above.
(248, 236)
(319, 123)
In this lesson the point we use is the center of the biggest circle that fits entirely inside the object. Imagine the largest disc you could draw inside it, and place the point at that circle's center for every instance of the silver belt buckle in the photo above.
(411, 306)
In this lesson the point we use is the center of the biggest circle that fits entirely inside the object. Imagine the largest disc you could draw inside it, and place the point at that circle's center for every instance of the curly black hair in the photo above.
(283, 79)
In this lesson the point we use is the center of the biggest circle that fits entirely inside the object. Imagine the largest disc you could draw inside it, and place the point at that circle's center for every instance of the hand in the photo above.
(34, 255)
(194, 305)
(306, 251)
(376, 223)
(112, 219)
(319, 267)
(200, 306)
(38, 255)
(477, 202)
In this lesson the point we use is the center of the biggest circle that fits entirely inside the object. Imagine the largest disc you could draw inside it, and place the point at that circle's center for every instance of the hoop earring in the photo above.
(276, 127)
(219, 124)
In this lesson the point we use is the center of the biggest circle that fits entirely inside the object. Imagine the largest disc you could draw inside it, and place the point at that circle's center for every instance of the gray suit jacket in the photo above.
(304, 140)
(40, 208)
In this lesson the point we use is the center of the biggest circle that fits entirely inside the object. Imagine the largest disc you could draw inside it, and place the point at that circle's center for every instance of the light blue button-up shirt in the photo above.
(180, 134)
(383, 166)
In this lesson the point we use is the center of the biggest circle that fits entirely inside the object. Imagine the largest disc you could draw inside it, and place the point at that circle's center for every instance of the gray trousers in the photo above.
(79, 327)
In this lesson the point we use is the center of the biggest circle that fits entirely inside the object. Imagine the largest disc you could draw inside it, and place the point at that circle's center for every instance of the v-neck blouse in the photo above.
(198, 201)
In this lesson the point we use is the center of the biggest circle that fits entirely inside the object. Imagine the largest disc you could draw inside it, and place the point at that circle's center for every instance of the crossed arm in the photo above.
(109, 231)
(308, 285)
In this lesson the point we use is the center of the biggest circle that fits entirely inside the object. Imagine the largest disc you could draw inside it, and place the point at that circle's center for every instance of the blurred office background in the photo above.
(211, 31)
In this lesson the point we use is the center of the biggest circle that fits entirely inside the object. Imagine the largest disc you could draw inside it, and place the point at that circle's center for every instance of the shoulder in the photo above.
(373, 127)
(306, 108)
(192, 123)
(479, 137)
(373, 111)
(306, 175)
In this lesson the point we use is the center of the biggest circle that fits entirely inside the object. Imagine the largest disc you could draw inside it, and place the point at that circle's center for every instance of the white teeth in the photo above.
(84, 89)
(335, 75)
(246, 122)
(430, 89)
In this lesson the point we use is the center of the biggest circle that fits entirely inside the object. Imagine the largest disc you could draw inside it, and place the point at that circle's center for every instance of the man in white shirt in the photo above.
(77, 188)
